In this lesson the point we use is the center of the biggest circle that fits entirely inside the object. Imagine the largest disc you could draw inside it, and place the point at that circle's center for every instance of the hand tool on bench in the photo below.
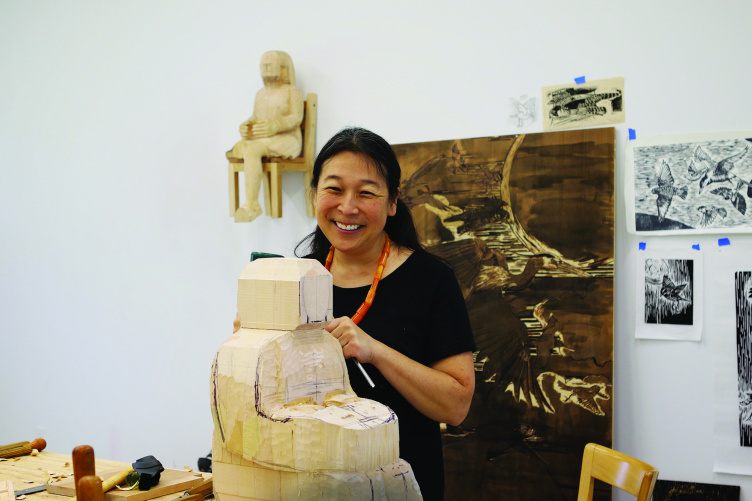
(83, 464)
(89, 488)
(199, 492)
(21, 448)
(148, 469)
(31, 490)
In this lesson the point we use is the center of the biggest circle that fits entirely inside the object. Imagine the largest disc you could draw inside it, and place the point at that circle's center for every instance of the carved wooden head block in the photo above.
(282, 293)
(280, 389)
(277, 65)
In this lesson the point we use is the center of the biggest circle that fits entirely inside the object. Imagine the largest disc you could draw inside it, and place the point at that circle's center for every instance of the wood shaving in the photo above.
(34, 452)
(3, 459)
(187, 468)
(28, 481)
(22, 496)
(67, 464)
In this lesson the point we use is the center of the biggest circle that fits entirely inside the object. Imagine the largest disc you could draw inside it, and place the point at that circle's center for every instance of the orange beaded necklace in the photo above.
(372, 291)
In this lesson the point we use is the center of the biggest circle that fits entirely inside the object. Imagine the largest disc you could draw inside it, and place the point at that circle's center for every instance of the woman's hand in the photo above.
(354, 341)
(442, 392)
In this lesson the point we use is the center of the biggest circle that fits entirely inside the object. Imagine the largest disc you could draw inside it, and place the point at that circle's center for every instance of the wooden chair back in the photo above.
(274, 166)
(617, 469)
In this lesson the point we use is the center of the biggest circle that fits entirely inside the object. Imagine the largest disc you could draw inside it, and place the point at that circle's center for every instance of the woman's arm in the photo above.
(441, 392)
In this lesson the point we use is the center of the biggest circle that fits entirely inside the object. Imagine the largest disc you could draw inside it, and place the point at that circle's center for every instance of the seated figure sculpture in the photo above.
(287, 424)
(272, 131)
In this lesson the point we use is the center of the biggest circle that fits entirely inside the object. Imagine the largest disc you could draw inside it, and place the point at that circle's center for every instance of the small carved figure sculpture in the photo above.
(274, 128)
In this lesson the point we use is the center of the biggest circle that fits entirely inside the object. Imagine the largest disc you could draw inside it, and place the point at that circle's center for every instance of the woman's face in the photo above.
(352, 203)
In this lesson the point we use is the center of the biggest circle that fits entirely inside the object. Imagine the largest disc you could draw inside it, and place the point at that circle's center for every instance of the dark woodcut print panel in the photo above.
(670, 490)
(668, 291)
(743, 282)
(527, 222)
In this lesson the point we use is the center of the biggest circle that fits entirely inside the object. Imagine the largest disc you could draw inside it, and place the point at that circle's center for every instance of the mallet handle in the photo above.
(114, 480)
(21, 448)
(90, 488)
(83, 465)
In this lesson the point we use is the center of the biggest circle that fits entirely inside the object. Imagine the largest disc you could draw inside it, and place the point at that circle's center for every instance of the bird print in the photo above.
(498, 275)
(482, 212)
(524, 109)
(745, 407)
(579, 103)
(584, 393)
(666, 190)
(717, 172)
(710, 214)
(460, 156)
(671, 291)
(733, 196)
(585, 396)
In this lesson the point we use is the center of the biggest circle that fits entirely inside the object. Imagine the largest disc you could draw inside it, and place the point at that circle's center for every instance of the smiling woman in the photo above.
(412, 331)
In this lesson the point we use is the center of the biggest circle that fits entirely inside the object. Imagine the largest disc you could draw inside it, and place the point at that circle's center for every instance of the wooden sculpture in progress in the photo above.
(287, 424)
(273, 130)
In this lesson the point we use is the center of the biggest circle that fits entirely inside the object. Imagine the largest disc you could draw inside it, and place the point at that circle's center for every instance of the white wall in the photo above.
(118, 261)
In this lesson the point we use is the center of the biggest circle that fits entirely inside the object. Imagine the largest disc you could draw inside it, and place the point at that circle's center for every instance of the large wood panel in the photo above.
(527, 222)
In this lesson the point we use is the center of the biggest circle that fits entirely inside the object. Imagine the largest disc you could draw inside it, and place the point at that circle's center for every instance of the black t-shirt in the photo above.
(419, 311)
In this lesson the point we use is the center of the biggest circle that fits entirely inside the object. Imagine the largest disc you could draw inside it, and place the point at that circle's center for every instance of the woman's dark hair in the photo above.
(400, 227)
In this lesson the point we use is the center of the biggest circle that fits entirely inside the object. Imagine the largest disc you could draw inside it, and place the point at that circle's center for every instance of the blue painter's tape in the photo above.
(632, 135)
(696, 246)
(723, 241)
(642, 246)
(579, 80)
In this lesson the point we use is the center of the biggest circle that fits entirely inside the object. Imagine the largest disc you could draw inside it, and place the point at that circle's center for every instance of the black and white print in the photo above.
(668, 291)
(672, 490)
(692, 186)
(593, 103)
(743, 292)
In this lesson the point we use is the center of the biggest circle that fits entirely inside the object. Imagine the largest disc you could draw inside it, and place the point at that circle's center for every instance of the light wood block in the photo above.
(6, 491)
(281, 294)
(249, 480)
(170, 482)
(287, 424)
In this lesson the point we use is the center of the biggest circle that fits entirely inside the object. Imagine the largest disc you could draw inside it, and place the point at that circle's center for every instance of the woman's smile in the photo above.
(352, 205)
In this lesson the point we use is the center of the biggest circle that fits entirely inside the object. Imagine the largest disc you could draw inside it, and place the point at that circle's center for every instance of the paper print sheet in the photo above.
(672, 490)
(699, 183)
(522, 112)
(731, 290)
(568, 106)
(743, 300)
(669, 295)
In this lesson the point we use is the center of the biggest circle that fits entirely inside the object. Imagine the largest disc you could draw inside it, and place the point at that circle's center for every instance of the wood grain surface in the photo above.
(30, 471)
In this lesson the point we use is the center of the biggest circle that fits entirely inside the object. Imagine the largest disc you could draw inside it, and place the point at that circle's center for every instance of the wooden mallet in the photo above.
(148, 469)
(83, 465)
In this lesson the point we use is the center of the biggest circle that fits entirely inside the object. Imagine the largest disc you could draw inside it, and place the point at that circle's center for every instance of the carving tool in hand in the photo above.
(22, 448)
(368, 378)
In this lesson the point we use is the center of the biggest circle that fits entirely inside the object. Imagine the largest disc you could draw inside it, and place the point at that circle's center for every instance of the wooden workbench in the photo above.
(36, 468)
